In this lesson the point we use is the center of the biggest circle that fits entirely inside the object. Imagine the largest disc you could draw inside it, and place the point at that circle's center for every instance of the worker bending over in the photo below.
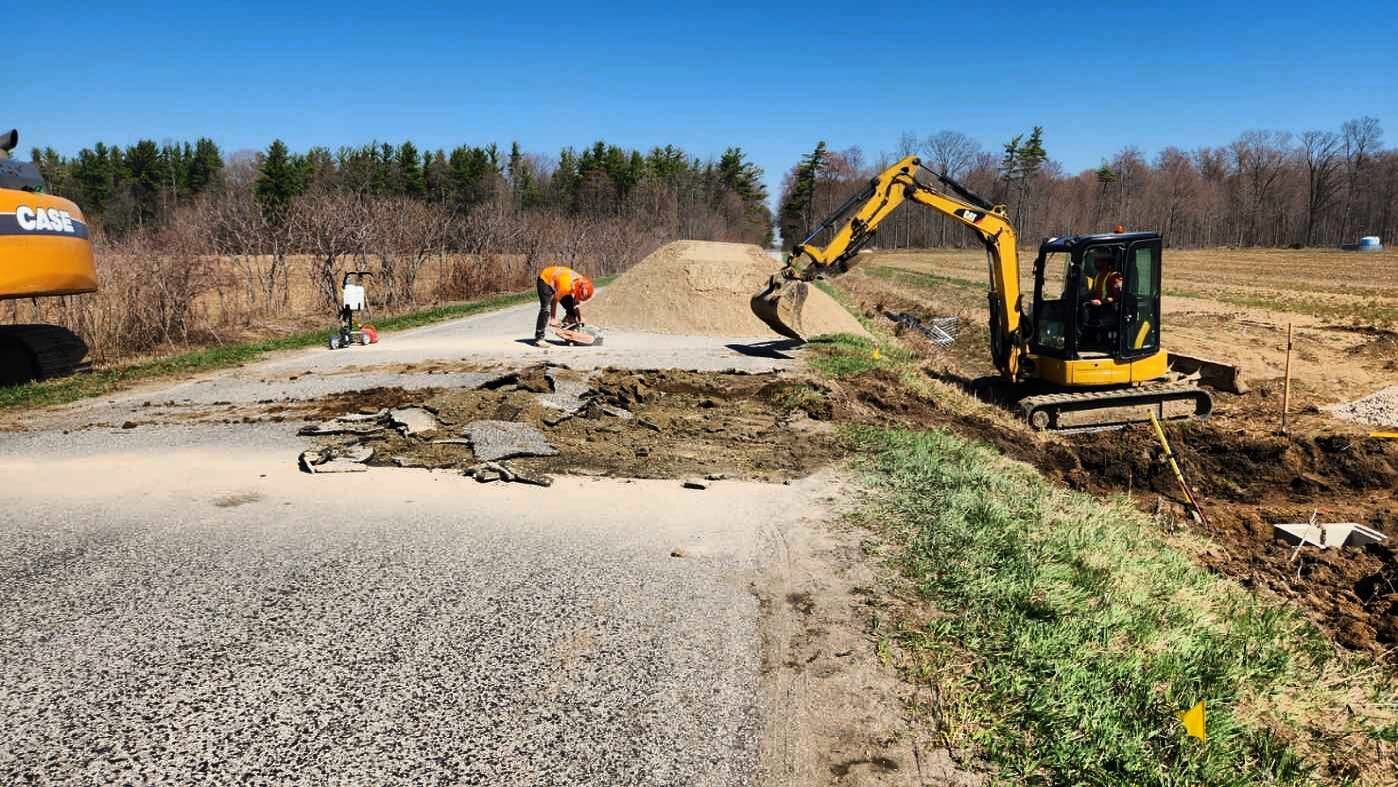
(560, 284)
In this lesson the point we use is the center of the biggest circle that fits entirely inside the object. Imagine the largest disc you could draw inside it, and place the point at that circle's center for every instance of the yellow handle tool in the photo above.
(1179, 474)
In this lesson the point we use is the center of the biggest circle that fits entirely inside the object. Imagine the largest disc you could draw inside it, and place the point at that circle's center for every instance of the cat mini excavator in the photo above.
(44, 251)
(1076, 360)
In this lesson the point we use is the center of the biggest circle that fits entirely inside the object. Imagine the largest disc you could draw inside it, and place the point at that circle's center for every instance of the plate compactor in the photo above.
(575, 334)
(352, 300)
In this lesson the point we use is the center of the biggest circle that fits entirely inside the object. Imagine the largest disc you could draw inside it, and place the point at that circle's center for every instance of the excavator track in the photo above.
(38, 352)
(1095, 411)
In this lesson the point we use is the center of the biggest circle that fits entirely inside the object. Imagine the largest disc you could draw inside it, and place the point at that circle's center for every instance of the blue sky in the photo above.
(773, 77)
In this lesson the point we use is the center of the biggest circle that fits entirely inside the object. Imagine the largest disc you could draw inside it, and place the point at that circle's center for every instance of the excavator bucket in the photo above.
(779, 305)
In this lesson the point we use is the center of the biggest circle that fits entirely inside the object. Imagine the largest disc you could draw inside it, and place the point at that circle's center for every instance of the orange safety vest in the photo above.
(560, 278)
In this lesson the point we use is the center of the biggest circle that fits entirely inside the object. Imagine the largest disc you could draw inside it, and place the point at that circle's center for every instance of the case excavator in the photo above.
(44, 251)
(1082, 357)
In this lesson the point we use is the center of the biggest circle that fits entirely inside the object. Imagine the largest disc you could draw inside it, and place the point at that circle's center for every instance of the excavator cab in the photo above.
(1097, 298)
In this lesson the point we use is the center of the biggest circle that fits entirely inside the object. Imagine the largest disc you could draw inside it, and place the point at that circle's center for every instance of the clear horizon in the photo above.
(704, 79)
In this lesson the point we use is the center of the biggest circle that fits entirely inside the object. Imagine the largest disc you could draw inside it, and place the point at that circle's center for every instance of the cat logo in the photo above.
(44, 220)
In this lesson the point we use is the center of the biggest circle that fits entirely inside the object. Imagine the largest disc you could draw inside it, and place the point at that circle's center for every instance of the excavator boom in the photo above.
(779, 304)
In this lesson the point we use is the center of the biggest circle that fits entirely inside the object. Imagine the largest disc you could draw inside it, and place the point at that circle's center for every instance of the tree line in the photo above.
(1323, 187)
(192, 243)
(125, 189)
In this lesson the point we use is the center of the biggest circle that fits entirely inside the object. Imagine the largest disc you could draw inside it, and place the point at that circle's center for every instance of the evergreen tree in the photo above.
(410, 178)
(57, 174)
(436, 176)
(95, 177)
(521, 179)
(565, 178)
(145, 173)
(205, 166)
(471, 173)
(667, 163)
(796, 209)
(742, 177)
(1021, 164)
(319, 173)
(385, 179)
(278, 180)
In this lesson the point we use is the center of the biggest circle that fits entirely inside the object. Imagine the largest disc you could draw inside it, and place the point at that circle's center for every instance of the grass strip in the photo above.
(846, 355)
(103, 381)
(1075, 631)
(1069, 631)
(929, 281)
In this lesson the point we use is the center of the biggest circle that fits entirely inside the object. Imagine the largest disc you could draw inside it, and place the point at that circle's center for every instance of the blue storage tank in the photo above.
(1370, 243)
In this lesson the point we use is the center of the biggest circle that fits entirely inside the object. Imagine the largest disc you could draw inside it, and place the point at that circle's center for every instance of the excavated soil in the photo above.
(703, 288)
(656, 424)
(1247, 476)
(1246, 483)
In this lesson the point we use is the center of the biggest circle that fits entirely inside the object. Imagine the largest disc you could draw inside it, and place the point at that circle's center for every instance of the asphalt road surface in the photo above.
(179, 603)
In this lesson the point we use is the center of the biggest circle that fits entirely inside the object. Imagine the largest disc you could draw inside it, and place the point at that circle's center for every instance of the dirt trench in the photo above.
(1248, 476)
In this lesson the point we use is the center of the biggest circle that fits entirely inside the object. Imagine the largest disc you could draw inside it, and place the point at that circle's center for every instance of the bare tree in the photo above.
(949, 153)
(407, 233)
(329, 226)
(1361, 137)
(1320, 154)
(1259, 158)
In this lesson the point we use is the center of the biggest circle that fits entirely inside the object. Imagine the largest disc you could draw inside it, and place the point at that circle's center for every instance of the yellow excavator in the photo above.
(44, 251)
(1087, 354)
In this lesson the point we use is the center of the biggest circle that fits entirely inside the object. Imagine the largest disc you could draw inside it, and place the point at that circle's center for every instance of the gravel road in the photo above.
(178, 603)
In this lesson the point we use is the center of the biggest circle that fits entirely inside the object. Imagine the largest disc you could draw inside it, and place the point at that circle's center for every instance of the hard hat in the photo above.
(582, 288)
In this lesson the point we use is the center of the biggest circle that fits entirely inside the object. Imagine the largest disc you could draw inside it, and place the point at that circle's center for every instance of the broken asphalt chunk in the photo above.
(567, 395)
(485, 472)
(362, 417)
(337, 459)
(492, 440)
(534, 379)
(413, 420)
(339, 427)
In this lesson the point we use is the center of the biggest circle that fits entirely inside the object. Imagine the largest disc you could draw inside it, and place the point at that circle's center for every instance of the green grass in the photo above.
(1074, 632)
(927, 281)
(846, 355)
(102, 381)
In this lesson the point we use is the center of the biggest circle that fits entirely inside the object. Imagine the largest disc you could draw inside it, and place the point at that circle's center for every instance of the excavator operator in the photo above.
(1100, 306)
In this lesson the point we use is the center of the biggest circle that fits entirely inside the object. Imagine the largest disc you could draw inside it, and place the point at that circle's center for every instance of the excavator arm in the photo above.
(857, 221)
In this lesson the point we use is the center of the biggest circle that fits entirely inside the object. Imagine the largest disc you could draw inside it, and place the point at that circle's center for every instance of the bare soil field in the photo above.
(1232, 306)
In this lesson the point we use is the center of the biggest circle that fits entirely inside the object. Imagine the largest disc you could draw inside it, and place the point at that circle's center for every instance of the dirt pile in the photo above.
(703, 288)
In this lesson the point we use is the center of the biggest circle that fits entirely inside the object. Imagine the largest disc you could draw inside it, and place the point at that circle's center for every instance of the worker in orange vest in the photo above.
(560, 284)
(1107, 284)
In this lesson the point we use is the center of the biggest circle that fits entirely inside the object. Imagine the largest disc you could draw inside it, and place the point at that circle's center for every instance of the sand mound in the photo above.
(703, 288)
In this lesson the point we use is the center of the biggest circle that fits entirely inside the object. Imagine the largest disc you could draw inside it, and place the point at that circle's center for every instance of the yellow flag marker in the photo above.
(1193, 720)
(876, 353)
(1385, 435)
